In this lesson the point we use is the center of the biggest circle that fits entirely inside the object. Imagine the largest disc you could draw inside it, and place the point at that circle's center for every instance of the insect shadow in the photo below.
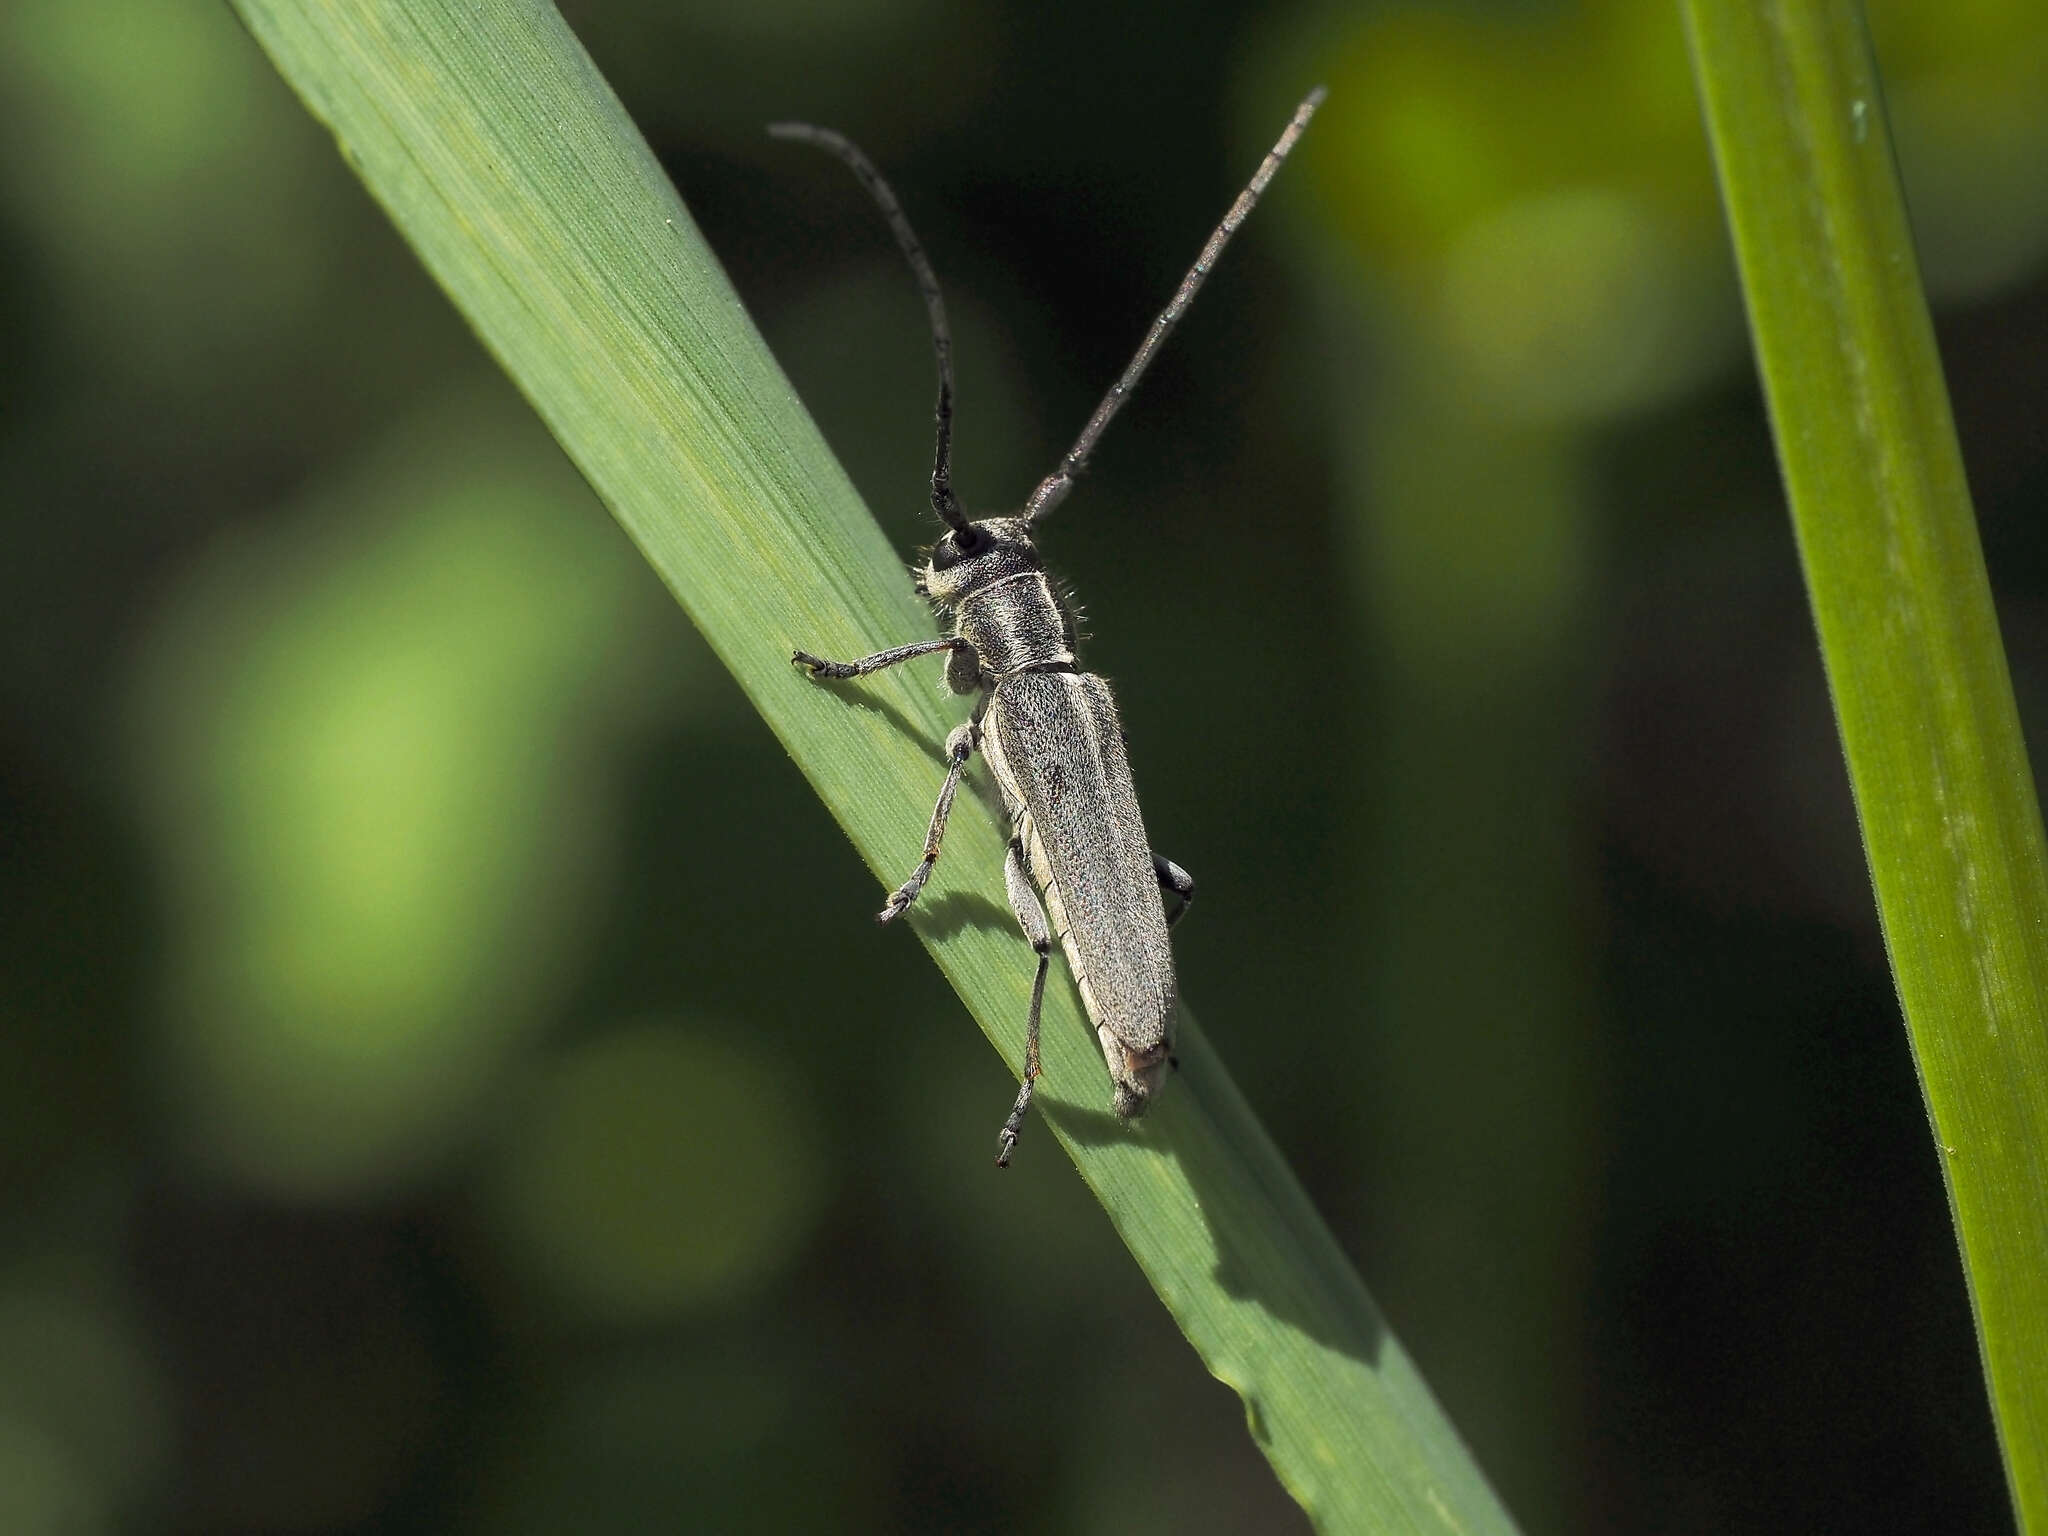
(975, 785)
(898, 721)
(957, 910)
(1267, 1246)
(1292, 1280)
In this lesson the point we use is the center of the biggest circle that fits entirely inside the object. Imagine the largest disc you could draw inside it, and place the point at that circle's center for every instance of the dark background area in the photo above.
(449, 1077)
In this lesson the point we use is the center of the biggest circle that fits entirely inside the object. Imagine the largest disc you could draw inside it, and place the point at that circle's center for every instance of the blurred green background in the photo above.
(449, 1078)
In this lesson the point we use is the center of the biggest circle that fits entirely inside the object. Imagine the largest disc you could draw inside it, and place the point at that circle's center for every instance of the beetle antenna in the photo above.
(1052, 490)
(837, 144)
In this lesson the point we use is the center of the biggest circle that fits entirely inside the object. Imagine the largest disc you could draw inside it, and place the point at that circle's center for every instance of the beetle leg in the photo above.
(836, 670)
(1177, 880)
(1031, 918)
(959, 747)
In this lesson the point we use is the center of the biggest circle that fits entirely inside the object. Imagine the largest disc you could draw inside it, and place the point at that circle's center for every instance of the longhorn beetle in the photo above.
(1048, 729)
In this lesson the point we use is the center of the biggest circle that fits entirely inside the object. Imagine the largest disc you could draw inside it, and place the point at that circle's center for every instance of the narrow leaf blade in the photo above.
(1888, 538)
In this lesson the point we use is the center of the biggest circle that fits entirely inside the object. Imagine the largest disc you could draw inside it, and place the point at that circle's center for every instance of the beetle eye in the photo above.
(955, 547)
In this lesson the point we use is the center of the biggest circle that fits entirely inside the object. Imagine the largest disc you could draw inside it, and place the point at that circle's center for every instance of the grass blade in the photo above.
(486, 133)
(1951, 826)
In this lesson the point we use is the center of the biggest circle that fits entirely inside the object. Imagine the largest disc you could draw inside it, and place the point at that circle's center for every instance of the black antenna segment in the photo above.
(1052, 490)
(838, 145)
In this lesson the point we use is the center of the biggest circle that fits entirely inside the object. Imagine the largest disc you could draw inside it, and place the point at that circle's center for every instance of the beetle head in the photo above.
(979, 555)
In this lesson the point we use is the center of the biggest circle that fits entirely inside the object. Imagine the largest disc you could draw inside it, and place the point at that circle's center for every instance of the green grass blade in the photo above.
(488, 136)
(1950, 822)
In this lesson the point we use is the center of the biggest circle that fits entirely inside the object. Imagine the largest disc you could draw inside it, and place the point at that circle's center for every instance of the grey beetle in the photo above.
(1048, 730)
